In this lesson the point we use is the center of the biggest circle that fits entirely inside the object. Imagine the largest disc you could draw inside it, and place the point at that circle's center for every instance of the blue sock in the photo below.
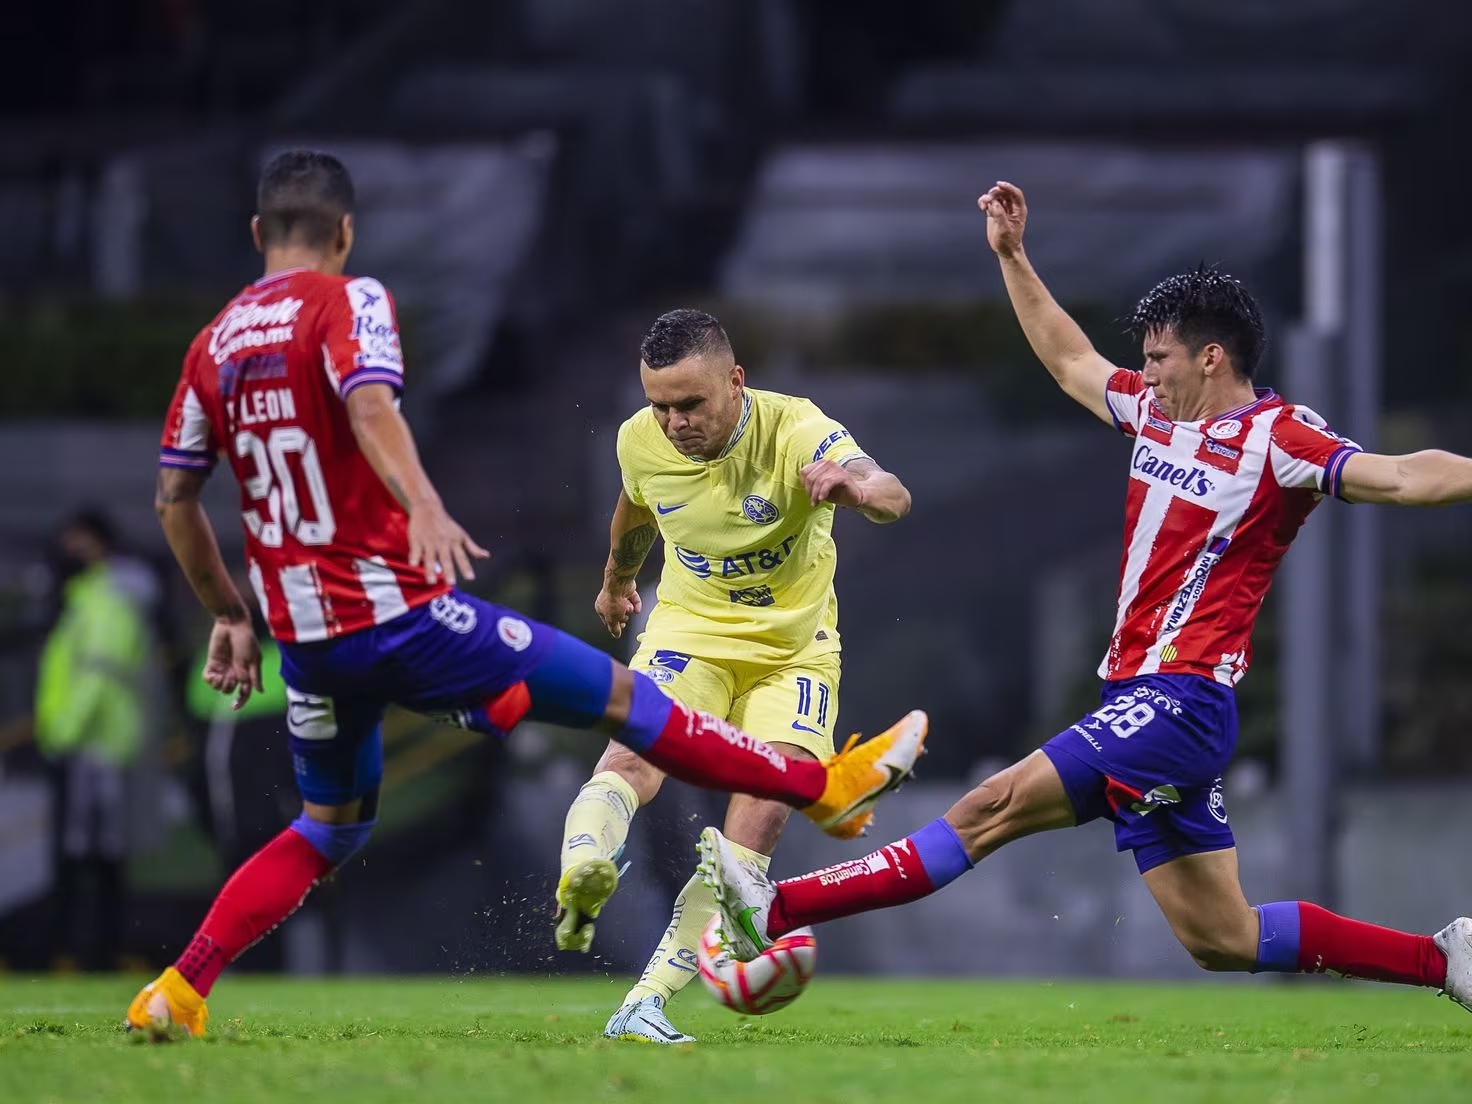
(649, 712)
(1277, 940)
(334, 842)
(941, 852)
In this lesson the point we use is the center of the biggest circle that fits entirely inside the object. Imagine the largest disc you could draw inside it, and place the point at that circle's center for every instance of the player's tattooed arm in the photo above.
(631, 535)
(192, 540)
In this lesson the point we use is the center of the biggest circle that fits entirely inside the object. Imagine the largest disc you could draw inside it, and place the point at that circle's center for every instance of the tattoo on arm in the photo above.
(861, 466)
(396, 489)
(176, 485)
(628, 555)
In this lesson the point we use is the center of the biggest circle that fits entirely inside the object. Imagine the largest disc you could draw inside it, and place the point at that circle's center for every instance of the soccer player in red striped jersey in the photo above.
(354, 561)
(1222, 475)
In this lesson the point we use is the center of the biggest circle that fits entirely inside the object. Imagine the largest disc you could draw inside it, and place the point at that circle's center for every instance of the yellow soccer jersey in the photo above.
(748, 560)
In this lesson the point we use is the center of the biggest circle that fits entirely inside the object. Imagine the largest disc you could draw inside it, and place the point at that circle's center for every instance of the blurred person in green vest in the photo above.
(91, 720)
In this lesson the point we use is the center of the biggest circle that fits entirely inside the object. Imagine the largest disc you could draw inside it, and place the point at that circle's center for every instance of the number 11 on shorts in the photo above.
(805, 700)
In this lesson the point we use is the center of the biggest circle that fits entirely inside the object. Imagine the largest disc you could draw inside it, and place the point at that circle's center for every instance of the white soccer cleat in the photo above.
(744, 895)
(1455, 941)
(644, 1021)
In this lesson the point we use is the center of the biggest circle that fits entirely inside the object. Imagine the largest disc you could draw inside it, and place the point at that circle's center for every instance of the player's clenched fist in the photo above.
(1006, 217)
(616, 603)
(829, 482)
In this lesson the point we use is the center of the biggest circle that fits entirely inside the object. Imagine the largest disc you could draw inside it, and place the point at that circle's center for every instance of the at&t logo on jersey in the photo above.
(755, 562)
(759, 510)
(1191, 480)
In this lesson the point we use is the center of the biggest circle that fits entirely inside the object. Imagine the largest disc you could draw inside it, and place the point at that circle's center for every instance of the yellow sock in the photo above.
(598, 821)
(673, 963)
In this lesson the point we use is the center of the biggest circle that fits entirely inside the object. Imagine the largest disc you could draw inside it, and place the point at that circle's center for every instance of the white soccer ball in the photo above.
(772, 980)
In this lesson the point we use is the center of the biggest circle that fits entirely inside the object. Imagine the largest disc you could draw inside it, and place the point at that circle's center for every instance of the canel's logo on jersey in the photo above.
(1195, 584)
(252, 325)
(1191, 480)
(759, 510)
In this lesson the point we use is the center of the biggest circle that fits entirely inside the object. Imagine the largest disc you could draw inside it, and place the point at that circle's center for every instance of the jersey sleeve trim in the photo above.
(186, 458)
(370, 374)
(1333, 480)
(1124, 393)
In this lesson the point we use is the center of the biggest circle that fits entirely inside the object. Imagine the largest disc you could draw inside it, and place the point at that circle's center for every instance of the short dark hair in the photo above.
(683, 333)
(1201, 307)
(303, 194)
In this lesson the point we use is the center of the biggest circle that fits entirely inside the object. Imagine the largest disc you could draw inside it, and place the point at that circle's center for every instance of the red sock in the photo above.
(893, 875)
(268, 888)
(706, 751)
(1356, 949)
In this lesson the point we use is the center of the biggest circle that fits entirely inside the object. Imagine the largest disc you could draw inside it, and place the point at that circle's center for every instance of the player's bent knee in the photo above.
(1217, 952)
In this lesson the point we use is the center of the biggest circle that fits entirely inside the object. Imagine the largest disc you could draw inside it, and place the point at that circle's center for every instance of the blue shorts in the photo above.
(458, 659)
(1151, 760)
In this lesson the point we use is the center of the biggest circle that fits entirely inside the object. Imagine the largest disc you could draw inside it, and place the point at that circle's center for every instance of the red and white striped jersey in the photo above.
(265, 385)
(1211, 508)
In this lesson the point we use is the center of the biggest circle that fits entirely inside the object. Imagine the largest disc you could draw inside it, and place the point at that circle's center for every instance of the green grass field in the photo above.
(849, 1041)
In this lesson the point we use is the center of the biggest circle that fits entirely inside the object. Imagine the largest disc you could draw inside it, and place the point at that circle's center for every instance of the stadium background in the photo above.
(539, 178)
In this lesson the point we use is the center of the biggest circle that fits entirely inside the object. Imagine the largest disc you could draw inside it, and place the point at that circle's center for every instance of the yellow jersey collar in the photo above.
(736, 434)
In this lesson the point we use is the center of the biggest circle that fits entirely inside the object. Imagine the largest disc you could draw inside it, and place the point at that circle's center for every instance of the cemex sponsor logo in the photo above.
(251, 325)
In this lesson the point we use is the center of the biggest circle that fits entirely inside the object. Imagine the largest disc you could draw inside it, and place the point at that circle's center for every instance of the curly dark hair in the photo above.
(1203, 307)
(679, 334)
(303, 194)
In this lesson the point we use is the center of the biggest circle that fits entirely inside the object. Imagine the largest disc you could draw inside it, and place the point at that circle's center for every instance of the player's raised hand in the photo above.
(827, 481)
(616, 603)
(440, 546)
(233, 662)
(1006, 217)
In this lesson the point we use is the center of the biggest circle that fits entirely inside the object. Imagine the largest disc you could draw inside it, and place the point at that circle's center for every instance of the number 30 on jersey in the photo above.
(274, 483)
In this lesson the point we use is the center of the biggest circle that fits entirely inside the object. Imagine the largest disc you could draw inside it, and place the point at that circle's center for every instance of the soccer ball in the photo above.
(772, 980)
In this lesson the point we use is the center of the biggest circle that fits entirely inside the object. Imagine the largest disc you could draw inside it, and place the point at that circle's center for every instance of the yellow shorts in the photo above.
(795, 703)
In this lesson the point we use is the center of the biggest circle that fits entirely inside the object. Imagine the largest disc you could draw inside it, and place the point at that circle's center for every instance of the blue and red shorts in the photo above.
(458, 659)
(1151, 760)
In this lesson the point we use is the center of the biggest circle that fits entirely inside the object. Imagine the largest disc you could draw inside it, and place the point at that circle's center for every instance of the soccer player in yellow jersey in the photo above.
(741, 484)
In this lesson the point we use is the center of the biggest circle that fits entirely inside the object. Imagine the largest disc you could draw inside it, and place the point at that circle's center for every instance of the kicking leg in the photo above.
(574, 683)
(1026, 798)
(1202, 900)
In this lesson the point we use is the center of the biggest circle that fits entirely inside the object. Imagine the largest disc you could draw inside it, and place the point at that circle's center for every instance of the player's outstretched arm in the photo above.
(435, 539)
(631, 535)
(234, 663)
(861, 485)
(1428, 478)
(1055, 337)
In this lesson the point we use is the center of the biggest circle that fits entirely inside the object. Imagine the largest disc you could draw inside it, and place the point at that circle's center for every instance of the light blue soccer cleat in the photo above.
(1455, 941)
(644, 1021)
(744, 895)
